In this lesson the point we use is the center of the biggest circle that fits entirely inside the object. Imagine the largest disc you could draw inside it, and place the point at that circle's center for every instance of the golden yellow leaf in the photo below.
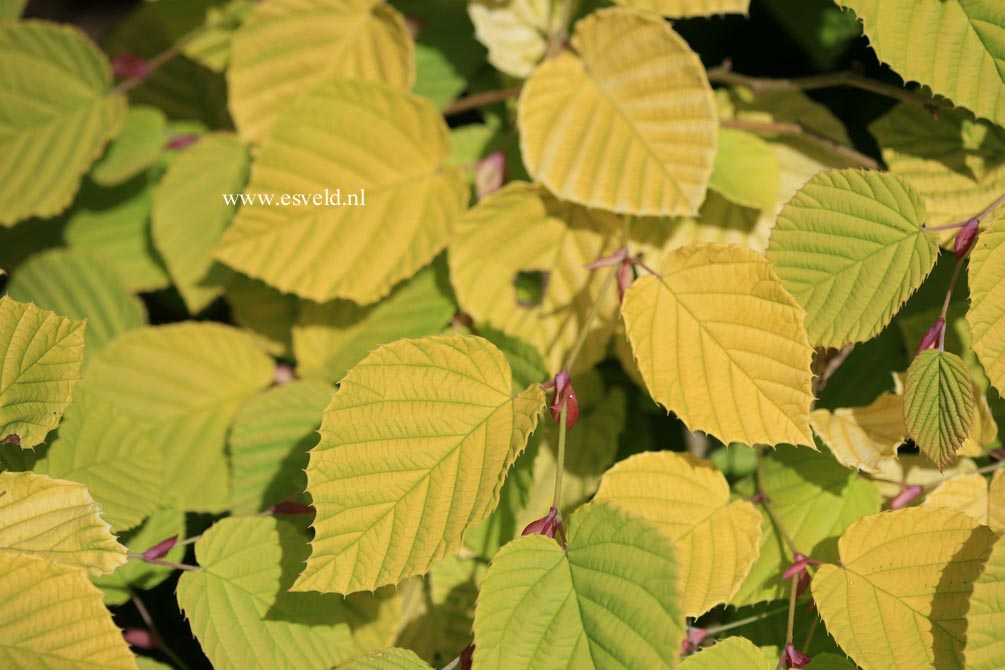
(720, 343)
(863, 438)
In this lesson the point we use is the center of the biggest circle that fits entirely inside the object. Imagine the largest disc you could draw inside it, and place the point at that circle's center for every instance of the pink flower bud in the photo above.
(467, 656)
(160, 549)
(546, 525)
(792, 659)
(966, 237)
(130, 66)
(932, 336)
(291, 509)
(139, 638)
(490, 174)
(798, 570)
(12, 439)
(181, 141)
(564, 395)
(905, 497)
(625, 277)
(284, 374)
(695, 636)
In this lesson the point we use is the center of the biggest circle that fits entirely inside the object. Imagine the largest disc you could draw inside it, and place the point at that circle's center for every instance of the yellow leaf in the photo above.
(286, 46)
(516, 31)
(985, 648)
(54, 618)
(971, 495)
(388, 151)
(863, 438)
(735, 653)
(746, 169)
(987, 298)
(529, 231)
(720, 343)
(634, 98)
(715, 540)
(900, 595)
(414, 448)
(916, 469)
(684, 8)
(57, 520)
(996, 502)
(39, 367)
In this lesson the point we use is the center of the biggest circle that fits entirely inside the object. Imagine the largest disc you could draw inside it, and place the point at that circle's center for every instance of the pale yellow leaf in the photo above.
(967, 494)
(685, 8)
(986, 315)
(863, 438)
(516, 32)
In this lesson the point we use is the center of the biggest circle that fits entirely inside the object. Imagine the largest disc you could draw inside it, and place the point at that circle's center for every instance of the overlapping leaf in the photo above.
(733, 652)
(720, 343)
(985, 648)
(389, 147)
(516, 32)
(746, 170)
(901, 594)
(863, 437)
(263, 311)
(76, 284)
(956, 48)
(388, 659)
(974, 496)
(239, 606)
(986, 315)
(715, 540)
(183, 383)
(939, 404)
(633, 97)
(134, 149)
(850, 249)
(414, 449)
(56, 117)
(686, 8)
(135, 575)
(40, 358)
(286, 46)
(531, 232)
(608, 601)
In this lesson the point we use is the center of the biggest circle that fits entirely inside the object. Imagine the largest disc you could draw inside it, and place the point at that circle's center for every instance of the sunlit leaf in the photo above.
(974, 496)
(746, 169)
(388, 659)
(686, 8)
(732, 652)
(516, 32)
(863, 438)
(985, 648)
(133, 150)
(939, 404)
(986, 315)
(132, 576)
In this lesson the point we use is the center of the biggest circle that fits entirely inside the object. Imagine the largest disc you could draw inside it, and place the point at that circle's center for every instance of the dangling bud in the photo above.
(284, 374)
(694, 638)
(546, 525)
(13, 439)
(966, 237)
(564, 395)
(490, 174)
(466, 656)
(932, 336)
(792, 659)
(160, 549)
(906, 497)
(291, 509)
(130, 66)
(139, 638)
(625, 277)
(181, 141)
(799, 571)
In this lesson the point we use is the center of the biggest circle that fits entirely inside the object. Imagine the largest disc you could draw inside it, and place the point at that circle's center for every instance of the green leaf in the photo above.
(56, 520)
(109, 453)
(388, 659)
(733, 652)
(850, 249)
(190, 214)
(900, 595)
(609, 601)
(956, 48)
(410, 203)
(286, 46)
(985, 647)
(439, 443)
(721, 344)
(11, 9)
(56, 117)
(40, 358)
(239, 606)
(76, 284)
(215, 20)
(986, 315)
(119, 586)
(133, 150)
(269, 440)
(939, 404)
(715, 539)
(746, 170)
(633, 96)
(54, 618)
(814, 499)
(330, 338)
(264, 312)
(183, 383)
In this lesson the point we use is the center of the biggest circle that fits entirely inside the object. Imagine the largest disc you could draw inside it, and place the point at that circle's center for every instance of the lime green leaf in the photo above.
(516, 31)
(939, 404)
(900, 595)
(633, 96)
(733, 652)
(440, 445)
(409, 204)
(119, 586)
(113, 225)
(54, 618)
(974, 496)
(57, 520)
(527, 364)
(135, 149)
(264, 312)
(715, 540)
(184, 382)
(719, 342)
(145, 663)
(685, 8)
(239, 606)
(609, 601)
(109, 453)
(815, 499)
(330, 338)
(76, 284)
(216, 21)
(388, 659)
(39, 367)
(11, 9)
(56, 118)
(529, 231)
(286, 46)
(269, 440)
(190, 214)
(850, 249)
(956, 48)
(746, 169)
(986, 316)
(863, 438)
(985, 648)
